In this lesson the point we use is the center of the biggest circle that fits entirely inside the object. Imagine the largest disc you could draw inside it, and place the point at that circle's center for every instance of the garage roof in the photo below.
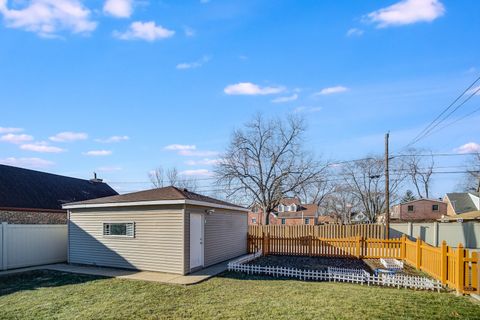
(157, 196)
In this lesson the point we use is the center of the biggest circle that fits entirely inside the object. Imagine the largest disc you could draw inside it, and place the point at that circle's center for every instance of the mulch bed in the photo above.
(309, 263)
(322, 263)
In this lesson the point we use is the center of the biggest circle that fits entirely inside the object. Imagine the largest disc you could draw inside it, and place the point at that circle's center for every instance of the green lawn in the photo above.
(55, 295)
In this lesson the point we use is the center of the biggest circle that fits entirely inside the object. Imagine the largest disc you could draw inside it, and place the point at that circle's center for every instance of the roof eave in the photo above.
(151, 203)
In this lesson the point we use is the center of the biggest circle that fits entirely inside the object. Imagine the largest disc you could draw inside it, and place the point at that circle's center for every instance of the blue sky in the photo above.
(121, 87)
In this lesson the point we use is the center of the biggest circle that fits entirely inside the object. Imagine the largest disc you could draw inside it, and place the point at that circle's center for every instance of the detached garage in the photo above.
(166, 230)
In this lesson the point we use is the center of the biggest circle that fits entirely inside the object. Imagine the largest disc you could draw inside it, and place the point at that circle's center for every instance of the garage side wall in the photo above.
(225, 235)
(157, 245)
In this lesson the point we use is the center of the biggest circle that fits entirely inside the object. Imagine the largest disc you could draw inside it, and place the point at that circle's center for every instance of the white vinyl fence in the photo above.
(335, 274)
(25, 245)
(433, 233)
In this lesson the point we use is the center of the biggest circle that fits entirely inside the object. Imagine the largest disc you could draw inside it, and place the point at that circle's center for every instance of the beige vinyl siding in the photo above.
(157, 246)
(225, 235)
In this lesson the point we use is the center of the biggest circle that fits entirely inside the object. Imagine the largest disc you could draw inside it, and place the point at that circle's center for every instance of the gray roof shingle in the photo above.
(24, 188)
(462, 202)
(166, 193)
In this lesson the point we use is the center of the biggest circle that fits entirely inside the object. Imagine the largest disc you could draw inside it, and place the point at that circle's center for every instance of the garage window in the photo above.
(119, 229)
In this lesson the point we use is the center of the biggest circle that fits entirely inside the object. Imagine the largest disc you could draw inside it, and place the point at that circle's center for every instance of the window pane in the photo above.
(118, 229)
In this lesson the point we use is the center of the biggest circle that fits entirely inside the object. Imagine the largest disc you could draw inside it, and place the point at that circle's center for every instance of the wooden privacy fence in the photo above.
(322, 231)
(456, 268)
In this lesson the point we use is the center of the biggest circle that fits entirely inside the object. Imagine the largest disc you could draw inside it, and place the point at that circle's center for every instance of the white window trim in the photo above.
(117, 235)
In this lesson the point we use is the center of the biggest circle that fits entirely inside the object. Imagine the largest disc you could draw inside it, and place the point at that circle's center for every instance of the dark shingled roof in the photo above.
(462, 202)
(166, 193)
(24, 188)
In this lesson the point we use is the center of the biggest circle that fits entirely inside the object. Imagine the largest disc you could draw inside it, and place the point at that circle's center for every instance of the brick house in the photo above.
(290, 211)
(34, 197)
(421, 209)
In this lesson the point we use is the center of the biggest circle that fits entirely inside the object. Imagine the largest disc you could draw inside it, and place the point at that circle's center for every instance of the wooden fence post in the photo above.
(359, 248)
(444, 262)
(418, 260)
(310, 246)
(3, 244)
(475, 268)
(460, 276)
(403, 247)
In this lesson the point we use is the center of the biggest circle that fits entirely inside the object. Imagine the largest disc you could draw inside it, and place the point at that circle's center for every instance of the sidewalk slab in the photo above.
(189, 279)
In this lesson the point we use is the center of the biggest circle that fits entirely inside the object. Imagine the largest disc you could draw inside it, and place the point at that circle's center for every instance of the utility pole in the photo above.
(387, 190)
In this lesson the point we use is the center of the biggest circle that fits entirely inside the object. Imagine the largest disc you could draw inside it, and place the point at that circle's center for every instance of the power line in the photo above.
(453, 122)
(434, 123)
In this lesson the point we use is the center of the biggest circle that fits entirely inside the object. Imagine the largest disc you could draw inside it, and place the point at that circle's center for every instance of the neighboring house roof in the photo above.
(326, 219)
(289, 201)
(303, 210)
(24, 188)
(166, 195)
(472, 215)
(423, 199)
(462, 201)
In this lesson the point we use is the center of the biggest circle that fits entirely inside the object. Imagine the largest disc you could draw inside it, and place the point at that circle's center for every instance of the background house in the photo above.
(420, 209)
(167, 229)
(34, 197)
(290, 211)
(462, 202)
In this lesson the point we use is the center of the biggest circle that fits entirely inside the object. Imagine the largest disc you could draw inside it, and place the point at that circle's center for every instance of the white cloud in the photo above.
(332, 90)
(148, 31)
(471, 70)
(27, 162)
(10, 130)
(197, 172)
(470, 147)
(189, 32)
(178, 147)
(354, 32)
(248, 88)
(41, 147)
(198, 153)
(98, 153)
(16, 138)
(69, 136)
(285, 99)
(203, 162)
(407, 12)
(190, 150)
(118, 8)
(109, 169)
(48, 17)
(195, 64)
(475, 90)
(113, 139)
(304, 109)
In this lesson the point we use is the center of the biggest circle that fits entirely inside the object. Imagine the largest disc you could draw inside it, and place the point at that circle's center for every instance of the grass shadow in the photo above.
(33, 280)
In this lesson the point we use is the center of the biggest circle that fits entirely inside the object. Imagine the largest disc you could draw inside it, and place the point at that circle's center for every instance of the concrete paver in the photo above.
(162, 277)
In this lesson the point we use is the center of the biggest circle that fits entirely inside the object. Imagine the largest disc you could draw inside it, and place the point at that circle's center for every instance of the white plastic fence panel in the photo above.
(31, 245)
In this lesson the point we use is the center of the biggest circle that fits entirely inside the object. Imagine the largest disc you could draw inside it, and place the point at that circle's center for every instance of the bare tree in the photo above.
(471, 179)
(419, 170)
(365, 179)
(161, 178)
(341, 203)
(266, 161)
